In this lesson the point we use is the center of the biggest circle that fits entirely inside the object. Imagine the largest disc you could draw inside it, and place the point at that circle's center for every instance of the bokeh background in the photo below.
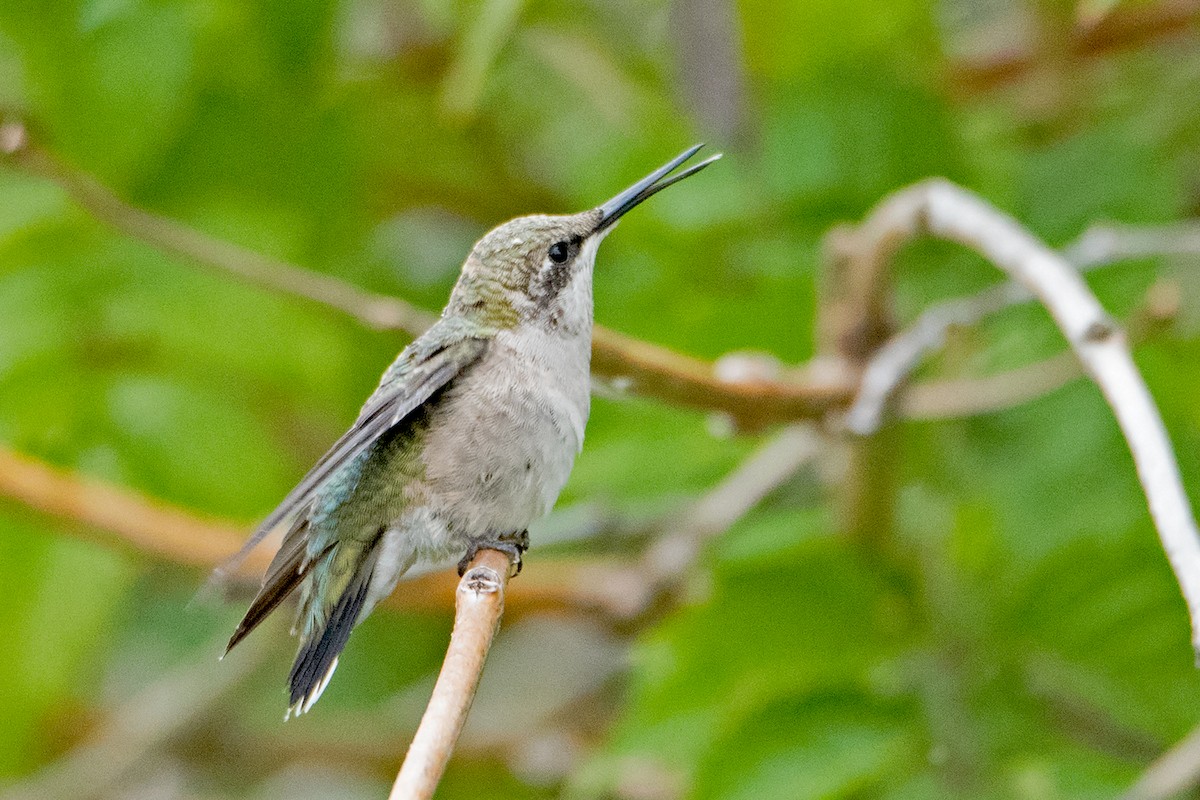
(1009, 629)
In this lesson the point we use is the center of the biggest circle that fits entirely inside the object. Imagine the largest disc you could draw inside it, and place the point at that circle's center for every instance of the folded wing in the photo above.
(422, 370)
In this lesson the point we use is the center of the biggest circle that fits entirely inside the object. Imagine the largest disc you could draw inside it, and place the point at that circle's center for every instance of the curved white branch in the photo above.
(950, 212)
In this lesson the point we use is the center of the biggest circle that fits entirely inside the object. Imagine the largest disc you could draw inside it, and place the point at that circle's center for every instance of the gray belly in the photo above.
(501, 445)
(494, 452)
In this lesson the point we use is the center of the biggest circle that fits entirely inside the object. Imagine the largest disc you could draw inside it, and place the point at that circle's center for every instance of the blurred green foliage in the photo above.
(1018, 633)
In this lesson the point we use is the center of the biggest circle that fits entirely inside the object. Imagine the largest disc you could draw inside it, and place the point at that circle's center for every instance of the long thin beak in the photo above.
(650, 185)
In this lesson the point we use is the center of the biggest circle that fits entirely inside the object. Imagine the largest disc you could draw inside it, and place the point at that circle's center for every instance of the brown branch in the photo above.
(644, 368)
(753, 403)
(123, 518)
(949, 212)
(127, 520)
(855, 319)
(375, 311)
(1127, 27)
(476, 619)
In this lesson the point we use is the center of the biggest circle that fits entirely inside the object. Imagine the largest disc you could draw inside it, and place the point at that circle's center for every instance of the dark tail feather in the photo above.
(318, 657)
(287, 570)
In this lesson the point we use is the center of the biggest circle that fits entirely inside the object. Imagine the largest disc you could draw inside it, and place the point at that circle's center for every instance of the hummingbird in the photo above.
(468, 439)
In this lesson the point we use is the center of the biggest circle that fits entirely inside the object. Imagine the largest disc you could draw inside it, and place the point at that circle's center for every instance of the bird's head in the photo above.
(538, 269)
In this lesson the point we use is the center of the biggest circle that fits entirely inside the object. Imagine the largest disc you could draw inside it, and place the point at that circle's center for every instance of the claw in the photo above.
(514, 548)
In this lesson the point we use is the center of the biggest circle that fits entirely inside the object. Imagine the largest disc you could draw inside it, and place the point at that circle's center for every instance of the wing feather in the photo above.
(424, 368)
(287, 570)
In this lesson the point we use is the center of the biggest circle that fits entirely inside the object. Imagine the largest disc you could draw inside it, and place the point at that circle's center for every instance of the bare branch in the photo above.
(752, 403)
(1172, 774)
(122, 518)
(375, 311)
(767, 468)
(949, 212)
(895, 361)
(632, 592)
(855, 318)
(1126, 27)
(476, 618)
(893, 364)
(964, 397)
(1104, 244)
(640, 367)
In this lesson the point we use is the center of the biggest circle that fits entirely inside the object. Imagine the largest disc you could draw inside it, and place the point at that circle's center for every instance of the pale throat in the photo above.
(570, 312)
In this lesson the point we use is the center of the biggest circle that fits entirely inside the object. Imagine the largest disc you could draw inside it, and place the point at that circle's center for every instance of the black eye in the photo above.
(560, 252)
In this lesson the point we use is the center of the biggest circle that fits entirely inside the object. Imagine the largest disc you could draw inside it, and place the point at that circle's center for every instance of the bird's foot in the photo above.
(513, 546)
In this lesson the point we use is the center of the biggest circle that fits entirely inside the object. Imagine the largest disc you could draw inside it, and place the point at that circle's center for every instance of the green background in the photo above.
(1015, 633)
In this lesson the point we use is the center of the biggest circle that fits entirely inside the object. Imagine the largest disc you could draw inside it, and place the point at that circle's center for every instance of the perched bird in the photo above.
(469, 438)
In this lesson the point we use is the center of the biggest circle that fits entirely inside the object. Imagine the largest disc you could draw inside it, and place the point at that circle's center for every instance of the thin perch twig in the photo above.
(950, 212)
(476, 619)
